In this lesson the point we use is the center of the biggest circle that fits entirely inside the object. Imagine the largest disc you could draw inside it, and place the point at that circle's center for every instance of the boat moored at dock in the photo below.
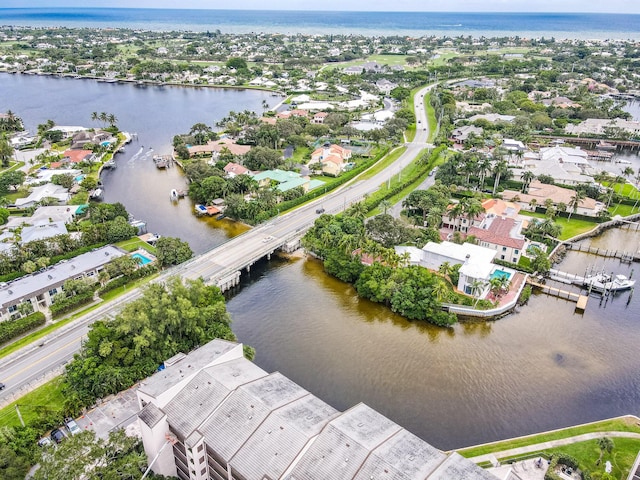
(604, 282)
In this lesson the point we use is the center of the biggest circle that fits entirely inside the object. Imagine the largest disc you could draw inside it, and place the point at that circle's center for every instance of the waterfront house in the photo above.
(215, 147)
(285, 180)
(476, 263)
(226, 418)
(67, 131)
(569, 166)
(538, 193)
(78, 155)
(40, 288)
(492, 118)
(504, 235)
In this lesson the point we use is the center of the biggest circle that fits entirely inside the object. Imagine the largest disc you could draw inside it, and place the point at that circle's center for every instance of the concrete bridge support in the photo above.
(228, 281)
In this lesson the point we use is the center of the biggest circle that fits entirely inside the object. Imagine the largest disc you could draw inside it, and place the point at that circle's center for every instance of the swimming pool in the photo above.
(143, 260)
(105, 143)
(79, 178)
(500, 274)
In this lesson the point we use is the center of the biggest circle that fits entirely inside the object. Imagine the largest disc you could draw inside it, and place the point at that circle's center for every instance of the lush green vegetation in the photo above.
(621, 424)
(167, 319)
(11, 329)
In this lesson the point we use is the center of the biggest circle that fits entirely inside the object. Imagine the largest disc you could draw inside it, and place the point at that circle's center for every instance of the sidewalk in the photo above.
(513, 452)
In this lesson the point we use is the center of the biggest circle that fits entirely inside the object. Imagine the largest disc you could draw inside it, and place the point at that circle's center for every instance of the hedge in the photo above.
(563, 459)
(14, 328)
(67, 304)
(123, 280)
(514, 266)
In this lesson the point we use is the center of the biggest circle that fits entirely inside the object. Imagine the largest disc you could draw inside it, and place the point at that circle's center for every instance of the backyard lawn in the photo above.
(570, 228)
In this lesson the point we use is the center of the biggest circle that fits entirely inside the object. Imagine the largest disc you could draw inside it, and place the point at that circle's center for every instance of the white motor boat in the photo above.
(603, 282)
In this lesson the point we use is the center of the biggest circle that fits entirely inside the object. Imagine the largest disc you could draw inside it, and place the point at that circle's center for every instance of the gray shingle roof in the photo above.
(163, 380)
(245, 409)
(281, 437)
(458, 467)
(150, 415)
(404, 457)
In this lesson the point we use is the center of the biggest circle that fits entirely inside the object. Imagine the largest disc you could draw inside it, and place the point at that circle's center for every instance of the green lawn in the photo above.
(388, 59)
(570, 228)
(620, 424)
(35, 406)
(443, 59)
(623, 210)
(134, 244)
(384, 163)
(587, 453)
(626, 190)
(431, 118)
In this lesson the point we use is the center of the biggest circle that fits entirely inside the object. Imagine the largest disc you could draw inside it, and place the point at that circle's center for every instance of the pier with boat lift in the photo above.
(163, 161)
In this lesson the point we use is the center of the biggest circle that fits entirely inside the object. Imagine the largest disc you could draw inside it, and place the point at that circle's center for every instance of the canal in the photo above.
(543, 367)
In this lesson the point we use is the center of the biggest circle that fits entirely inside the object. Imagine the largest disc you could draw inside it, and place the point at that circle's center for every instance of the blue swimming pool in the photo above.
(143, 260)
(105, 143)
(500, 274)
(79, 178)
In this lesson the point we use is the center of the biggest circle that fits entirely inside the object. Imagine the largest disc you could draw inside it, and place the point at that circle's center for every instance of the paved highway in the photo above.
(19, 371)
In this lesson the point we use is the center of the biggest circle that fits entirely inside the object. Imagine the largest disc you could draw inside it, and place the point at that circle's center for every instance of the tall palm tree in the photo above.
(575, 202)
(476, 287)
(112, 120)
(94, 116)
(473, 208)
(499, 169)
(527, 177)
(385, 205)
(484, 167)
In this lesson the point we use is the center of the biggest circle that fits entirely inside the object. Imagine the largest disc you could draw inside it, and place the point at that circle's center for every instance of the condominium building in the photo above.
(215, 415)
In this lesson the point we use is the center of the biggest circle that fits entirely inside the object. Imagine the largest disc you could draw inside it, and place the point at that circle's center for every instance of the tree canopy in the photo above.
(167, 319)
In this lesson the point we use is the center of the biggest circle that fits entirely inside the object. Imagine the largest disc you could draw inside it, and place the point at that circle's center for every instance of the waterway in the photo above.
(544, 367)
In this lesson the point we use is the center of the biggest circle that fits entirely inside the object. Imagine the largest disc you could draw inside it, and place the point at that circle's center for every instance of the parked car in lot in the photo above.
(72, 426)
(57, 435)
(44, 442)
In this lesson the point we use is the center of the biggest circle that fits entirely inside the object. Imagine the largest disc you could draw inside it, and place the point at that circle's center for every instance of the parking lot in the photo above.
(115, 412)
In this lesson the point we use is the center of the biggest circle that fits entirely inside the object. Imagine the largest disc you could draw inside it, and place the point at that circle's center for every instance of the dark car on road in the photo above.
(57, 435)
(2, 386)
(320, 210)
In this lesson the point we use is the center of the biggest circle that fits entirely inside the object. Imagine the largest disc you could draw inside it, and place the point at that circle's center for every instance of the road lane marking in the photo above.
(31, 365)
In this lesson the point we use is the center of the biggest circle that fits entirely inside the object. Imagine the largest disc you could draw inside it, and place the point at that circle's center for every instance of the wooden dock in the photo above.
(581, 300)
(625, 257)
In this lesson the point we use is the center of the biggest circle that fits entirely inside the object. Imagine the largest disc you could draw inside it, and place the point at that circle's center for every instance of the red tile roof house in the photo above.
(77, 156)
(501, 234)
(319, 118)
(233, 169)
(333, 158)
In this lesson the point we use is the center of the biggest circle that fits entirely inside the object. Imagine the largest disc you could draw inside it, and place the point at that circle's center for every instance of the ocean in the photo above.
(415, 24)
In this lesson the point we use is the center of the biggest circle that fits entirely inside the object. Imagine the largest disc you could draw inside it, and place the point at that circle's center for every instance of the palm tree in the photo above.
(385, 205)
(575, 202)
(441, 290)
(112, 120)
(94, 116)
(499, 169)
(473, 208)
(476, 287)
(445, 269)
(527, 177)
(6, 152)
(484, 167)
(605, 444)
(103, 117)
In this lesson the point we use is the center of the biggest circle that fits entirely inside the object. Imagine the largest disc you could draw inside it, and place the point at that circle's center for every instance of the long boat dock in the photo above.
(626, 257)
(581, 300)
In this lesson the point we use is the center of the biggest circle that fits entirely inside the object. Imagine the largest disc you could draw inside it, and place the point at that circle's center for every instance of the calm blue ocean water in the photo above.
(558, 25)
